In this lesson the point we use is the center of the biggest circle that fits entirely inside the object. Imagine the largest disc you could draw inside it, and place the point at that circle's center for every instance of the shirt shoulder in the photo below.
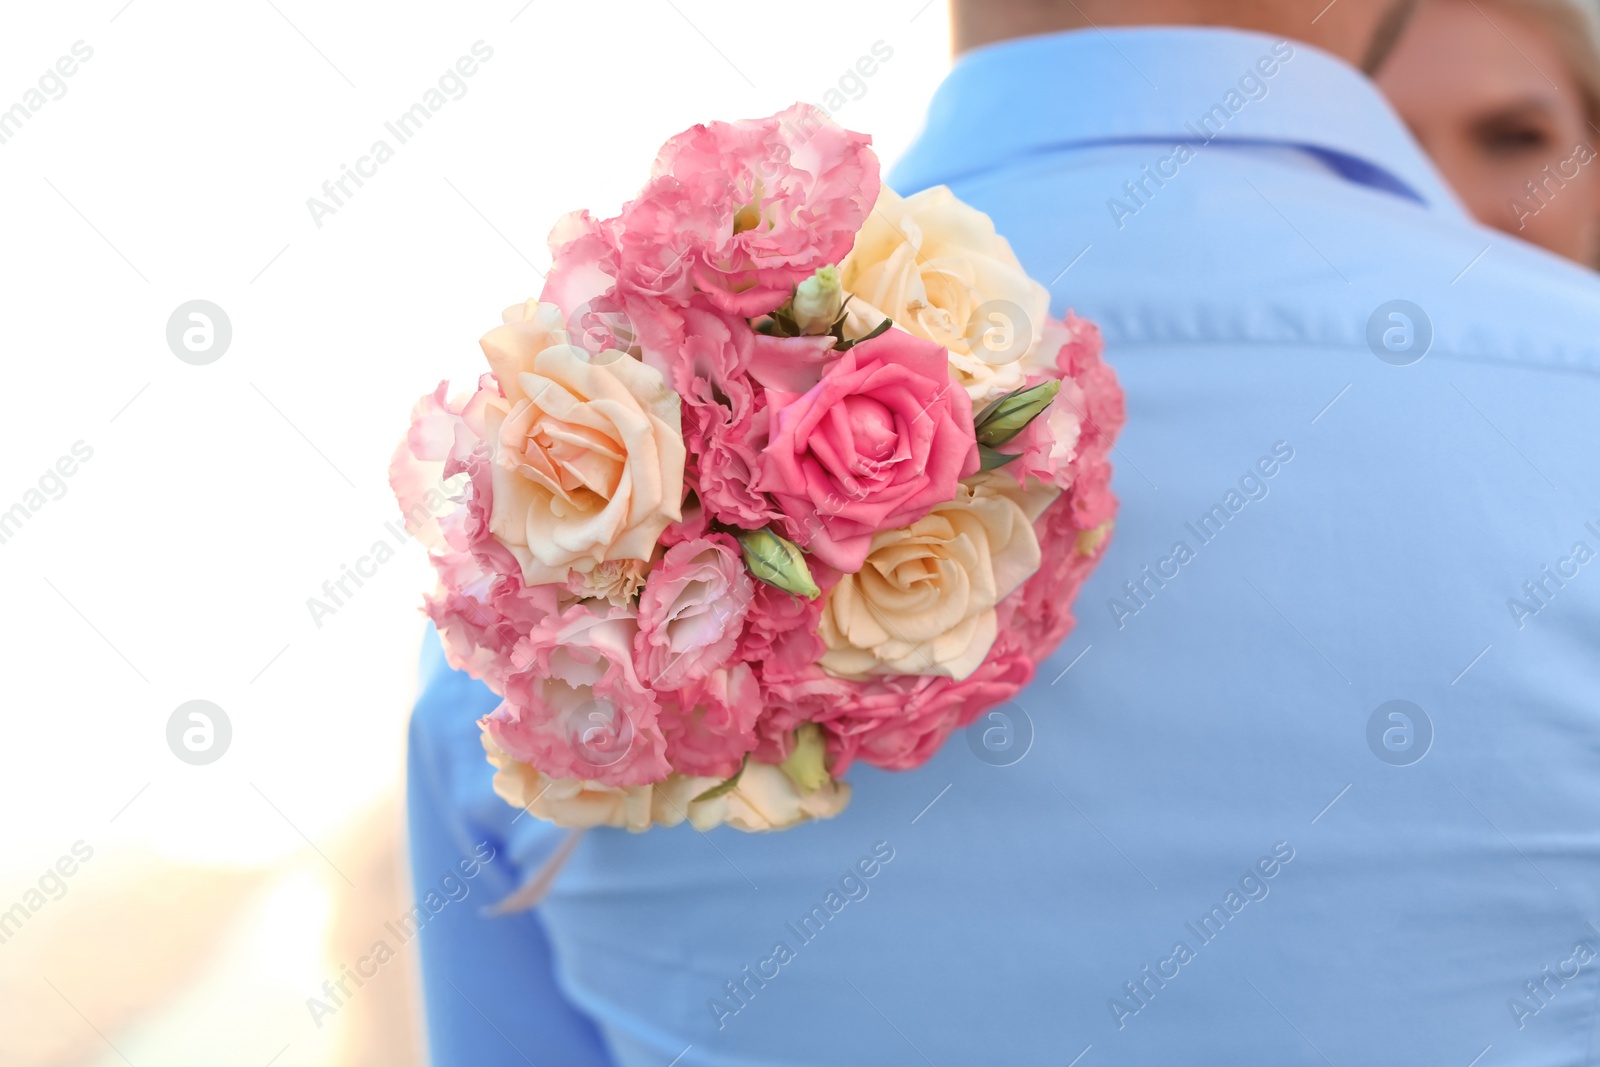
(1219, 244)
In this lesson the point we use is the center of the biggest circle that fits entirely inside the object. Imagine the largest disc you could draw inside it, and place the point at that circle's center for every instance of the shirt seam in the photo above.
(1114, 347)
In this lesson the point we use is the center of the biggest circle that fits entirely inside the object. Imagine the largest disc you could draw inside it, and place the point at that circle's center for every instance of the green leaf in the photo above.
(876, 330)
(722, 788)
(989, 459)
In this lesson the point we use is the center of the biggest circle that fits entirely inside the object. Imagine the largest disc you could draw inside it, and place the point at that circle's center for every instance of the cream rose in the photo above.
(588, 450)
(1033, 500)
(938, 269)
(765, 798)
(923, 603)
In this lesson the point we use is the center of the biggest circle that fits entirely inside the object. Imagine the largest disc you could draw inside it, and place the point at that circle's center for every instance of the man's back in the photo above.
(1317, 777)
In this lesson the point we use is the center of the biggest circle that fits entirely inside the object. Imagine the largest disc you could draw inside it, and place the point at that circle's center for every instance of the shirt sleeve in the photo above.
(489, 984)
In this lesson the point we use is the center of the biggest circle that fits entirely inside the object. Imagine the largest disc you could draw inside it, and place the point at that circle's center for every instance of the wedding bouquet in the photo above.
(781, 471)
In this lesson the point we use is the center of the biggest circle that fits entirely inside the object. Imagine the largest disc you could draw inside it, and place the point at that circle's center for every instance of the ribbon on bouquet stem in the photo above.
(534, 890)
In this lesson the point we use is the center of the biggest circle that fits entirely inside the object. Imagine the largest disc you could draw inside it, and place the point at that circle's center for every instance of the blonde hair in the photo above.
(1577, 24)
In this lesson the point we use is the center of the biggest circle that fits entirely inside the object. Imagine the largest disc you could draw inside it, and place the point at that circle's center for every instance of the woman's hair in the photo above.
(1577, 24)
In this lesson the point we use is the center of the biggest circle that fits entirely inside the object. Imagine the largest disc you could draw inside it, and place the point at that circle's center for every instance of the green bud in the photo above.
(1010, 415)
(778, 562)
(806, 765)
(818, 302)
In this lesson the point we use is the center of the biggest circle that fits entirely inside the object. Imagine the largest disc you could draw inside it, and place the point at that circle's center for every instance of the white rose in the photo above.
(764, 798)
(924, 600)
(937, 268)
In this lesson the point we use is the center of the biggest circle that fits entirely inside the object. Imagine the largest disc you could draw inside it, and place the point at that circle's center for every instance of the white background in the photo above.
(177, 566)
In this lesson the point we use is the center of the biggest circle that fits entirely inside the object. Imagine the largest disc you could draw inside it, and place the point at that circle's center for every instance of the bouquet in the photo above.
(781, 471)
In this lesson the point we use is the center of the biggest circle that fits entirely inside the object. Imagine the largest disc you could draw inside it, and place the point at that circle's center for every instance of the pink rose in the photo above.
(575, 708)
(691, 610)
(881, 439)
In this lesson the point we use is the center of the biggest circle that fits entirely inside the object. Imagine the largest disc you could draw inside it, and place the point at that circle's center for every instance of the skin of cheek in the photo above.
(1565, 216)
(1568, 222)
(1459, 66)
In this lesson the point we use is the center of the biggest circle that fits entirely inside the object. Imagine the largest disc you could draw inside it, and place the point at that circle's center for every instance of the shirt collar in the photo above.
(1085, 87)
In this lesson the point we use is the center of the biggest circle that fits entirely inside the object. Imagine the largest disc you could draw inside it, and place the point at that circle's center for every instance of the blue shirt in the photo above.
(1315, 780)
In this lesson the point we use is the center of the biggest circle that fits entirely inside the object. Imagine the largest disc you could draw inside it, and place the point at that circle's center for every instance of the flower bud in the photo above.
(818, 301)
(806, 765)
(778, 562)
(1010, 415)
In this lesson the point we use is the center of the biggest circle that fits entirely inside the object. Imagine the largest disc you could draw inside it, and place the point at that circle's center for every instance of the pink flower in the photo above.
(482, 616)
(574, 706)
(663, 232)
(1040, 613)
(1093, 502)
(472, 635)
(695, 523)
(442, 437)
(782, 645)
(1104, 412)
(583, 250)
(791, 364)
(750, 209)
(1067, 444)
(881, 439)
(781, 634)
(581, 508)
(739, 211)
(705, 355)
(1047, 447)
(1081, 345)
(901, 723)
(1103, 409)
(710, 724)
(441, 478)
(691, 610)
